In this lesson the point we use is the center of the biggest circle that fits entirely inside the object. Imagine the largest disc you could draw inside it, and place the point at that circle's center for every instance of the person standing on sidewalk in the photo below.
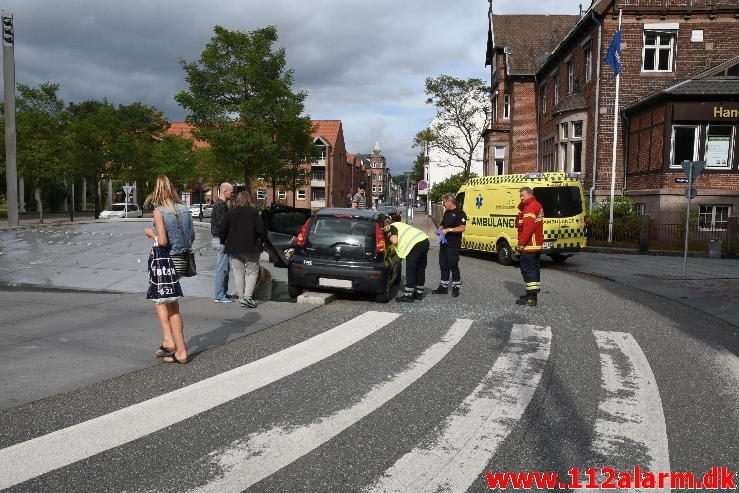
(220, 208)
(530, 224)
(412, 246)
(242, 233)
(359, 201)
(451, 228)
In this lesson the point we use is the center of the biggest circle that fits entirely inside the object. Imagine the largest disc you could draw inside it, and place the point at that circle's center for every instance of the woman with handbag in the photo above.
(173, 235)
(242, 233)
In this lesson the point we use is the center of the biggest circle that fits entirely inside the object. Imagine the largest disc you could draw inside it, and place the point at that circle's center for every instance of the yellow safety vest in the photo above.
(408, 237)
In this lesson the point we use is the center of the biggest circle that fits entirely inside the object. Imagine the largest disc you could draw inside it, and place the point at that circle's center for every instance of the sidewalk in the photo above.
(712, 285)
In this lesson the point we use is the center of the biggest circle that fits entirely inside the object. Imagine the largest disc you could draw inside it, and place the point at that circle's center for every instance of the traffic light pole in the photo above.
(11, 167)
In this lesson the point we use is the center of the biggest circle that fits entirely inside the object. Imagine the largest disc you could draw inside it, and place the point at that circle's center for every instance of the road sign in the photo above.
(423, 187)
(690, 193)
(681, 180)
(127, 189)
(697, 167)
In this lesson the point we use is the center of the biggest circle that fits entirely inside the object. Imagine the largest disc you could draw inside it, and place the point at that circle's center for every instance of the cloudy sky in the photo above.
(362, 62)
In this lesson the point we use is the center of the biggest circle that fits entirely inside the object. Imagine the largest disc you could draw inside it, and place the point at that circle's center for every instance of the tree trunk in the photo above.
(274, 191)
(40, 199)
(295, 192)
(96, 197)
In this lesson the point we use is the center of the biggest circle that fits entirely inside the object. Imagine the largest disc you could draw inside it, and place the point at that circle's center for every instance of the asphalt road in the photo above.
(357, 396)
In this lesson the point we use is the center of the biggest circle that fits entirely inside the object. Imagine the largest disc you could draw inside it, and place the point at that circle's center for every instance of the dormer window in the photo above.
(658, 51)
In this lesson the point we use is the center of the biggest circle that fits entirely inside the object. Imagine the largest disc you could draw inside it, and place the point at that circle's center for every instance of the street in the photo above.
(351, 396)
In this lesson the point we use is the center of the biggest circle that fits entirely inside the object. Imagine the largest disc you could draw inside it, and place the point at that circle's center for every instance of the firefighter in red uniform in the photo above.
(530, 224)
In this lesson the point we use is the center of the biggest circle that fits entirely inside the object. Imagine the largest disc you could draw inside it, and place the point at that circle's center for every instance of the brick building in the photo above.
(668, 50)
(520, 44)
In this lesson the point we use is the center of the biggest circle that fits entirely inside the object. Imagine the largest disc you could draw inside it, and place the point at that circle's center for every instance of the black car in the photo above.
(283, 224)
(391, 211)
(344, 250)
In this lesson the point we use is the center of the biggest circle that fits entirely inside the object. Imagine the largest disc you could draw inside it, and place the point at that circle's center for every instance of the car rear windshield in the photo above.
(559, 201)
(354, 237)
(117, 207)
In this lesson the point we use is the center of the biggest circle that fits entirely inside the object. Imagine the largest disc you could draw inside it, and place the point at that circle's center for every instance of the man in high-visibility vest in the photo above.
(530, 224)
(412, 245)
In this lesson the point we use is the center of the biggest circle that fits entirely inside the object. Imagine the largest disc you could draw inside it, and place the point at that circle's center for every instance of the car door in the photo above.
(282, 223)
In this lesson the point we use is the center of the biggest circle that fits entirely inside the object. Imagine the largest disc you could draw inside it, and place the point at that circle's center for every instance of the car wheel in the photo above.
(384, 297)
(505, 254)
(294, 291)
(558, 258)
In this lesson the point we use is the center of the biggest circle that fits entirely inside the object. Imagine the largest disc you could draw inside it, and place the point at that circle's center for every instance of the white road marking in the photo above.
(630, 417)
(471, 435)
(248, 461)
(27, 460)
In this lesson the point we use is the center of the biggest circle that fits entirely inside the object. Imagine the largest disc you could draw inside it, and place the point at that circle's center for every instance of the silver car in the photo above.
(195, 210)
(121, 210)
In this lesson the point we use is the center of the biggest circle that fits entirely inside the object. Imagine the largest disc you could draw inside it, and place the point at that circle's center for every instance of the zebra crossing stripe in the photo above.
(471, 435)
(630, 415)
(248, 461)
(32, 458)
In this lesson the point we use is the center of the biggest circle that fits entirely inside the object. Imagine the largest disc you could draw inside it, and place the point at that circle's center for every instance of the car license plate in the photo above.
(334, 283)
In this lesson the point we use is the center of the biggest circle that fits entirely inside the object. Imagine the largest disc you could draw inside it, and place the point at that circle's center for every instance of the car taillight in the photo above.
(379, 239)
(300, 240)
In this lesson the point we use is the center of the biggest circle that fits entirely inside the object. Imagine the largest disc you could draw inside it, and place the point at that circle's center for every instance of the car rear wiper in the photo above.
(342, 243)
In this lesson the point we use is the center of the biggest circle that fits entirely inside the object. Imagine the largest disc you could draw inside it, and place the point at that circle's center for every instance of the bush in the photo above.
(623, 209)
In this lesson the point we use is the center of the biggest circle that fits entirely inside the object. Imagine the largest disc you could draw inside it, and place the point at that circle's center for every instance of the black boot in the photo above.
(441, 290)
(418, 295)
(529, 300)
(455, 291)
(406, 298)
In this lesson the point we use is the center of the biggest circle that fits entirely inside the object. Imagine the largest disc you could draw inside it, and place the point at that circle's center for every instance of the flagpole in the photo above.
(615, 138)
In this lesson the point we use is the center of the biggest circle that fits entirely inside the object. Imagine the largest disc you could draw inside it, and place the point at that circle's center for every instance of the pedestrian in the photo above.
(450, 231)
(242, 233)
(530, 224)
(359, 201)
(220, 208)
(412, 245)
(173, 230)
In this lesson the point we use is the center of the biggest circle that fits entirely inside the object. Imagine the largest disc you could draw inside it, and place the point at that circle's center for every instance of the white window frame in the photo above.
(657, 48)
(640, 209)
(588, 55)
(731, 145)
(570, 77)
(543, 98)
(281, 195)
(261, 194)
(556, 88)
(696, 144)
(300, 195)
(506, 106)
(713, 216)
(374, 188)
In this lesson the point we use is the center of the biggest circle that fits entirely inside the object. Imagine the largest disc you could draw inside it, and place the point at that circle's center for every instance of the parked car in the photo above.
(195, 210)
(121, 210)
(391, 211)
(343, 250)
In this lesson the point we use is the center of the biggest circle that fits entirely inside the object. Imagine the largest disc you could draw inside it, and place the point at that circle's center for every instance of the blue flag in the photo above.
(613, 57)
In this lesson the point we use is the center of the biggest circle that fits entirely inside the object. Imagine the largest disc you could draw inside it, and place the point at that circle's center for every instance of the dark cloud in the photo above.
(361, 62)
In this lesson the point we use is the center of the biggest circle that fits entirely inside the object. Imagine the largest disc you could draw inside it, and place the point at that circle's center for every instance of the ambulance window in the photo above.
(559, 201)
(460, 201)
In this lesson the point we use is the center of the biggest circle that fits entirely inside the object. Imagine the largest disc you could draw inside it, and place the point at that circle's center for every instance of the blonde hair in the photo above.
(243, 199)
(164, 194)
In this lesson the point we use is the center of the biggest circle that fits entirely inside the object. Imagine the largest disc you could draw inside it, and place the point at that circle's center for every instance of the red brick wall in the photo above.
(523, 128)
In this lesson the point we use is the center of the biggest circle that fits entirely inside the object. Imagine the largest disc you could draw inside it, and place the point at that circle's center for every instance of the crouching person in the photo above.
(412, 245)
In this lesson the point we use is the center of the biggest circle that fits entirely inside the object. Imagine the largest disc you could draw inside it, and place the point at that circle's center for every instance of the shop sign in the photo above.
(708, 111)
(717, 150)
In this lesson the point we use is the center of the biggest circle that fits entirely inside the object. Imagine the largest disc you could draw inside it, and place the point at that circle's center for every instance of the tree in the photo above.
(461, 118)
(41, 122)
(418, 172)
(241, 101)
(450, 185)
(174, 156)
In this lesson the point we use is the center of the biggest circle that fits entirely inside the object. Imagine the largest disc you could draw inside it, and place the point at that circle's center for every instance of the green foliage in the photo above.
(174, 157)
(450, 185)
(461, 118)
(623, 208)
(417, 173)
(241, 102)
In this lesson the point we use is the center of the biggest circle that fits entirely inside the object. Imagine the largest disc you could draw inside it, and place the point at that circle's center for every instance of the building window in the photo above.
(317, 194)
(719, 146)
(570, 147)
(713, 217)
(556, 89)
(374, 188)
(543, 99)
(570, 78)
(319, 174)
(506, 106)
(495, 106)
(588, 62)
(281, 195)
(261, 194)
(565, 132)
(379, 189)
(577, 129)
(548, 154)
(301, 195)
(640, 209)
(499, 160)
(684, 144)
(658, 51)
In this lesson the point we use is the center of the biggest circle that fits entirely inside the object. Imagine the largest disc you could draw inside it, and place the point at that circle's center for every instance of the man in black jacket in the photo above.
(220, 208)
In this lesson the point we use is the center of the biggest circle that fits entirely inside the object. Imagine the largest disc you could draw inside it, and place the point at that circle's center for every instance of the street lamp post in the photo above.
(11, 168)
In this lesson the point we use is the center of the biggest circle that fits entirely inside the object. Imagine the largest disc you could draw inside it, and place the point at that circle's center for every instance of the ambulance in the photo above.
(491, 205)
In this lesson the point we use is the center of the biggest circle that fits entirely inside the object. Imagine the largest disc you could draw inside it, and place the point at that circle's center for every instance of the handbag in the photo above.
(164, 284)
(190, 268)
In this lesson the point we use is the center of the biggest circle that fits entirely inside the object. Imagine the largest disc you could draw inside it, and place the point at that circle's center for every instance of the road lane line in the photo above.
(27, 460)
(630, 424)
(471, 435)
(250, 460)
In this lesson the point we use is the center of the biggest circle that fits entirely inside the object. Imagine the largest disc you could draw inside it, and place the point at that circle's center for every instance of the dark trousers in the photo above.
(530, 270)
(449, 264)
(415, 267)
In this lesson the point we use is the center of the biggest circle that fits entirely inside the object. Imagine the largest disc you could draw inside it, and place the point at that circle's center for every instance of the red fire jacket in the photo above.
(530, 224)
